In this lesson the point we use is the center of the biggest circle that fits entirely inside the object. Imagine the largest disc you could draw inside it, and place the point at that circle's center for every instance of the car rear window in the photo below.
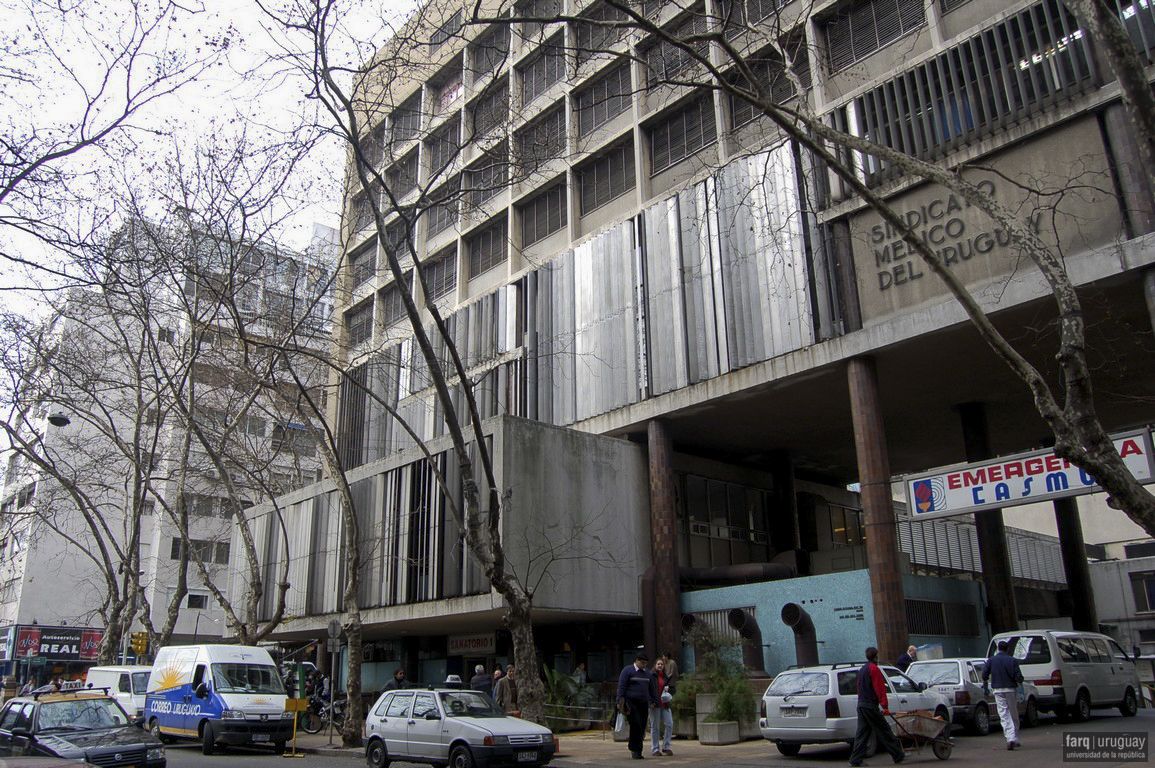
(935, 673)
(1028, 649)
(799, 683)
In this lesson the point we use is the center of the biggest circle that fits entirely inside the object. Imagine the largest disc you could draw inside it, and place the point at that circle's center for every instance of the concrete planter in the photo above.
(718, 733)
(686, 726)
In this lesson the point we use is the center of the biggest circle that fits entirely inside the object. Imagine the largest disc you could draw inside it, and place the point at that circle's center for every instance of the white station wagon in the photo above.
(454, 727)
(819, 705)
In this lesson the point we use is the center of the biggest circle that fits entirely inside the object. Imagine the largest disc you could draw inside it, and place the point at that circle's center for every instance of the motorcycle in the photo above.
(318, 716)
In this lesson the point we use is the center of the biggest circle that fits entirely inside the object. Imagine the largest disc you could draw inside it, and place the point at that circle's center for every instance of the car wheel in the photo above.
(154, 729)
(461, 757)
(207, 739)
(981, 722)
(375, 754)
(1130, 704)
(1081, 712)
(942, 714)
(1031, 716)
(788, 748)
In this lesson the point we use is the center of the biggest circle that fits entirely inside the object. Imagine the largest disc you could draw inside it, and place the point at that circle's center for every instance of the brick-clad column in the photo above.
(667, 621)
(994, 554)
(882, 555)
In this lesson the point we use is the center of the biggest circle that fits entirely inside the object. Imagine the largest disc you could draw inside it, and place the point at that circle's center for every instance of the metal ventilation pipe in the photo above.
(747, 626)
(805, 638)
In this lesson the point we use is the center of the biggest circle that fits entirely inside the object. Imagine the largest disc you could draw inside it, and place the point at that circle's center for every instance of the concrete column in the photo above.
(1083, 614)
(1135, 194)
(882, 554)
(666, 621)
(1149, 293)
(991, 533)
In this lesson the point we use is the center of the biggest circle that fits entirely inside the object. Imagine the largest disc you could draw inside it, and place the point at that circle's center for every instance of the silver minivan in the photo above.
(1075, 672)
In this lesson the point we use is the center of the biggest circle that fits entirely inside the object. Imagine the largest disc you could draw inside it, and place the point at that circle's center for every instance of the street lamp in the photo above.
(197, 625)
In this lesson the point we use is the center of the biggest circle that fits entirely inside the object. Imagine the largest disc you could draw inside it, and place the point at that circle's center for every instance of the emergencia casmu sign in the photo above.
(1024, 478)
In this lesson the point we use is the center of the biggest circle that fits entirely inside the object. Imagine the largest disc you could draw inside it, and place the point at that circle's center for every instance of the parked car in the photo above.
(1075, 671)
(127, 684)
(77, 724)
(819, 704)
(451, 726)
(961, 681)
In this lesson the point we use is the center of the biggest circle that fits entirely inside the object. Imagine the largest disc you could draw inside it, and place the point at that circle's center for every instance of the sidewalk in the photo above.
(591, 747)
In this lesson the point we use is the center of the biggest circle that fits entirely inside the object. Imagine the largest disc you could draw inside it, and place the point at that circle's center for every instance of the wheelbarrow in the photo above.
(918, 728)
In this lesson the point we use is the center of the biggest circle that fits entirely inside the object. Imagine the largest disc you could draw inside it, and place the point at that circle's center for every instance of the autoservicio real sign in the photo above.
(1023, 478)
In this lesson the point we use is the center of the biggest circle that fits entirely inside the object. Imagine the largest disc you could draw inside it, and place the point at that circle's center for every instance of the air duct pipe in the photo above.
(805, 638)
(747, 626)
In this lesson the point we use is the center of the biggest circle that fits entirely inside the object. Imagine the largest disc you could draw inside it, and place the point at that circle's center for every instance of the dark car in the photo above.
(84, 725)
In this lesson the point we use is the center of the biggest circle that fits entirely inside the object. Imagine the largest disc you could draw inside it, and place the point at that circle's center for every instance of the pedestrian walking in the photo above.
(1002, 677)
(671, 667)
(635, 695)
(905, 659)
(505, 692)
(481, 681)
(872, 706)
(397, 682)
(661, 716)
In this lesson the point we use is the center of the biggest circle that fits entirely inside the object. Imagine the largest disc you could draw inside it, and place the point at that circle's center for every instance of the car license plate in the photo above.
(526, 757)
(793, 711)
(260, 737)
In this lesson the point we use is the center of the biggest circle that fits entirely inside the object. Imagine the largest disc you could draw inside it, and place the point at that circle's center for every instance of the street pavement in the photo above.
(1041, 748)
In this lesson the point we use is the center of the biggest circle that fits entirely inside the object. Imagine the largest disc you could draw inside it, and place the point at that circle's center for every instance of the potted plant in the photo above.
(684, 707)
(730, 700)
(567, 702)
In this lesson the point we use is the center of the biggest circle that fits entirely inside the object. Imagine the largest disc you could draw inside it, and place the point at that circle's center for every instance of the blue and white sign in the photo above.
(1024, 478)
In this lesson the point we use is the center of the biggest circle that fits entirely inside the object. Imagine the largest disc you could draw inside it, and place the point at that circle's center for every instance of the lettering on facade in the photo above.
(850, 612)
(941, 225)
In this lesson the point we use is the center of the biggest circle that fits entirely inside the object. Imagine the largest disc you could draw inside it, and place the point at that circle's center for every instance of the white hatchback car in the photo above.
(454, 727)
(961, 681)
(819, 705)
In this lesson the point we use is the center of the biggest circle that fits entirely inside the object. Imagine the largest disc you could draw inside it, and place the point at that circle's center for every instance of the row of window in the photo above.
(201, 549)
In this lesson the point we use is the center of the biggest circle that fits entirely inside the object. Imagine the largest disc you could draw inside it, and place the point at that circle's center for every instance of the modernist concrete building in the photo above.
(109, 412)
(748, 354)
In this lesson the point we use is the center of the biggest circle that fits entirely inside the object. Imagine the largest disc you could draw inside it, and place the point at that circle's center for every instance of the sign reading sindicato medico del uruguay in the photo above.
(1024, 478)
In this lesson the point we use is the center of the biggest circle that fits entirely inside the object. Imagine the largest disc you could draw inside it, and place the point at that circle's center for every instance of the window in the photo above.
(443, 33)
(543, 215)
(359, 324)
(487, 248)
(536, 9)
(607, 178)
(682, 133)
(600, 33)
(491, 113)
(442, 212)
(205, 551)
(397, 239)
(668, 62)
(770, 72)
(373, 146)
(447, 92)
(931, 617)
(393, 304)
(294, 438)
(488, 177)
(363, 264)
(727, 522)
(166, 335)
(405, 121)
(360, 212)
(489, 50)
(543, 140)
(197, 601)
(545, 69)
(1143, 588)
(442, 147)
(402, 177)
(441, 273)
(604, 99)
(867, 27)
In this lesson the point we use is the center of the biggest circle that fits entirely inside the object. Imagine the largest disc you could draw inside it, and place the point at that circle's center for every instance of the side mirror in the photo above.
(432, 716)
(202, 691)
(922, 686)
(22, 732)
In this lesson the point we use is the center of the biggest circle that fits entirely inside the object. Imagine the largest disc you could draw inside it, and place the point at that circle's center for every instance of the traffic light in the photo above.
(139, 642)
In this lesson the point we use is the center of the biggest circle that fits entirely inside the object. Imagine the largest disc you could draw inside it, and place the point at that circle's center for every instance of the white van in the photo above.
(126, 684)
(1074, 671)
(228, 694)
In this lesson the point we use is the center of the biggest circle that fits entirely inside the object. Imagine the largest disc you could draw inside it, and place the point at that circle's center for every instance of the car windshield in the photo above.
(469, 704)
(81, 715)
(247, 678)
(799, 684)
(934, 673)
(140, 682)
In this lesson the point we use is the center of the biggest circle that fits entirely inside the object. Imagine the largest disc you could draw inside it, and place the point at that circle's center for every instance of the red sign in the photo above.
(90, 643)
(27, 642)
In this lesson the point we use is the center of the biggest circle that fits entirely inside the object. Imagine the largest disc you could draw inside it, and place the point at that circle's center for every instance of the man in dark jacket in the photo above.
(481, 681)
(905, 659)
(872, 705)
(635, 695)
(1001, 674)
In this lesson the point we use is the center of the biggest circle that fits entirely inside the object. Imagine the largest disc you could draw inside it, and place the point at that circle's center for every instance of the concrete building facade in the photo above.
(640, 259)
